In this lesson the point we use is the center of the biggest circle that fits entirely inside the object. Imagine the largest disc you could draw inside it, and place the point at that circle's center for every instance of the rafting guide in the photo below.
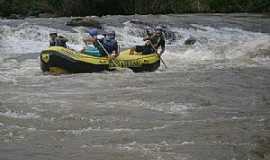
(57, 40)
(153, 42)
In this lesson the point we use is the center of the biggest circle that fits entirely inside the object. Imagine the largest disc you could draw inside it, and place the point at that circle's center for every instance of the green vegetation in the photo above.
(104, 7)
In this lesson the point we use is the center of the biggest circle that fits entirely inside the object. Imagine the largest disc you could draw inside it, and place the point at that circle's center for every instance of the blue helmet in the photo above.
(111, 35)
(158, 29)
(92, 32)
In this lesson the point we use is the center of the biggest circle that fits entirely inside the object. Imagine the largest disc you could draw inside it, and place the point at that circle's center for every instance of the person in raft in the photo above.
(153, 42)
(107, 46)
(56, 40)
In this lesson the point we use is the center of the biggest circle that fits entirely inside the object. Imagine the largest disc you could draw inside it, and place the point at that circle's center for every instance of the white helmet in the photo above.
(99, 37)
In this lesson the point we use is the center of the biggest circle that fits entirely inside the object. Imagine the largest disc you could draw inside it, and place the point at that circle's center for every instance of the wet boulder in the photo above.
(15, 16)
(137, 22)
(190, 41)
(169, 35)
(261, 53)
(33, 13)
(84, 21)
(46, 15)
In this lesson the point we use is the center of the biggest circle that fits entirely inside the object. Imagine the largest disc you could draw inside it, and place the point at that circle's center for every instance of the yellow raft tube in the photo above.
(63, 60)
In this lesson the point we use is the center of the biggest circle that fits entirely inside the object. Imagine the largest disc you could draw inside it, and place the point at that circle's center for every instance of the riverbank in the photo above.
(245, 21)
(128, 7)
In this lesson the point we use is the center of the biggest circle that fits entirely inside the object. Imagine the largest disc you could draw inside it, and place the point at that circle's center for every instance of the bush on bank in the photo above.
(105, 7)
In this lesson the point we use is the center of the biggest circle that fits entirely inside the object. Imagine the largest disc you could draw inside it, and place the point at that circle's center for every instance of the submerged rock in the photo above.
(84, 21)
(33, 13)
(190, 41)
(169, 35)
(262, 53)
(135, 21)
(46, 15)
(15, 16)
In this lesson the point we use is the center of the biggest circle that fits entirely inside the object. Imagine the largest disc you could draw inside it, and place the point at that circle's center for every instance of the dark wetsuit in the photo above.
(109, 44)
(52, 42)
(158, 41)
(59, 41)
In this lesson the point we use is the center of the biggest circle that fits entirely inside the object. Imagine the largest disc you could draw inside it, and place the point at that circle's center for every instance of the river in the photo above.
(213, 101)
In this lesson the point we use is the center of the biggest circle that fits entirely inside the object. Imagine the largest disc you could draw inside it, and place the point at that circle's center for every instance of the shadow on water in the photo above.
(261, 149)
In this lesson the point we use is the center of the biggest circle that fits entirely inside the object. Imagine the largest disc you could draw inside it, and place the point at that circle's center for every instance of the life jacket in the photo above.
(100, 48)
(61, 41)
(52, 42)
(110, 45)
(90, 50)
(157, 39)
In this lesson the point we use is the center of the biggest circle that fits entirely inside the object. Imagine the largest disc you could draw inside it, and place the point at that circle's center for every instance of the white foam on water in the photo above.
(216, 44)
(128, 35)
(170, 108)
(31, 129)
(156, 150)
(238, 118)
(89, 129)
(187, 143)
(30, 38)
(19, 115)
(24, 39)
(212, 43)
(12, 70)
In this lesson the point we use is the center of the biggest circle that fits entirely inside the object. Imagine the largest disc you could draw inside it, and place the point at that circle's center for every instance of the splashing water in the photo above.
(212, 102)
(212, 43)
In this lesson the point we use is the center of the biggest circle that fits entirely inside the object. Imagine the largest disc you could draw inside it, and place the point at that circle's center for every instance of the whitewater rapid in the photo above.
(212, 43)
(211, 103)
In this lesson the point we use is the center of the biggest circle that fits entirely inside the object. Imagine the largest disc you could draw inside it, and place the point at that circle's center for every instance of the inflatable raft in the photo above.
(59, 60)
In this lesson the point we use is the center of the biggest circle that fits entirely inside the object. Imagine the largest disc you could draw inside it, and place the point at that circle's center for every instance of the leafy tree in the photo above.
(104, 7)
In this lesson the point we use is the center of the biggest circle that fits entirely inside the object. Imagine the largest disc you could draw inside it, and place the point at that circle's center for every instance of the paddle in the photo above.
(107, 52)
(158, 55)
(80, 30)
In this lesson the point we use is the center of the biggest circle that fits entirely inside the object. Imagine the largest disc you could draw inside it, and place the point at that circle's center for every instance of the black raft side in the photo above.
(74, 66)
(146, 67)
(69, 64)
